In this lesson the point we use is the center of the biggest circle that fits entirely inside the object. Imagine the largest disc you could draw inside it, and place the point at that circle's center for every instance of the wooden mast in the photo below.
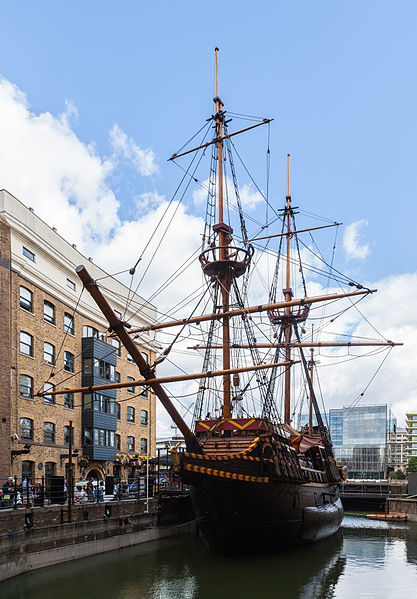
(288, 297)
(224, 239)
(311, 366)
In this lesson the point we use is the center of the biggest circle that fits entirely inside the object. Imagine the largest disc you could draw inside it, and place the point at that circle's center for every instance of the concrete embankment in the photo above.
(32, 538)
(405, 505)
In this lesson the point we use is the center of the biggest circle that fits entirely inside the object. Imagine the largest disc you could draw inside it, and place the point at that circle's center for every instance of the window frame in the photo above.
(30, 353)
(50, 318)
(144, 446)
(130, 443)
(30, 387)
(52, 354)
(144, 417)
(47, 388)
(30, 428)
(22, 298)
(28, 253)
(69, 360)
(130, 414)
(50, 433)
(130, 379)
(69, 329)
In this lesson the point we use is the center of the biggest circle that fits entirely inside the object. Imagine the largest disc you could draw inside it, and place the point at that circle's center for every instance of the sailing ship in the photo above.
(256, 482)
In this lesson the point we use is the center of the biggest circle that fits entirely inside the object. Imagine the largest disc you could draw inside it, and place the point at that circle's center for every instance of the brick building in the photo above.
(397, 450)
(54, 336)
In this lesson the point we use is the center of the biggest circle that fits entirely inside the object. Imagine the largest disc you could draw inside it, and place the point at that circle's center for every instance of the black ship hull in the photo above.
(237, 517)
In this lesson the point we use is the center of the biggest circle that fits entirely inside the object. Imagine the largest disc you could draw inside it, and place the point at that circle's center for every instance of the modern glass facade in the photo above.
(360, 436)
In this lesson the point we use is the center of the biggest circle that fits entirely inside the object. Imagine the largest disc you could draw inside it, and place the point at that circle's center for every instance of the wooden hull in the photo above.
(239, 517)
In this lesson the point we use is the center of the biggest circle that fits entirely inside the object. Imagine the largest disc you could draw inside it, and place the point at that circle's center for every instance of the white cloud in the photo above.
(142, 159)
(351, 241)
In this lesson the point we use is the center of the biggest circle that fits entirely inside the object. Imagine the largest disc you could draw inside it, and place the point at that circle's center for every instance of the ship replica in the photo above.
(256, 482)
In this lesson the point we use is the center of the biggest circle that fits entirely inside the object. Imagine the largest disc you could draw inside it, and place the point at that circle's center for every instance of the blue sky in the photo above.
(96, 96)
(339, 79)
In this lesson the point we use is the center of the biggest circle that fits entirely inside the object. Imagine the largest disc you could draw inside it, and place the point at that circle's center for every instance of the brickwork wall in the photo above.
(5, 346)
(60, 415)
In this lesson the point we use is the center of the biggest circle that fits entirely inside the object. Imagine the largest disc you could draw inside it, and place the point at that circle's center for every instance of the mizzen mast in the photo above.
(288, 297)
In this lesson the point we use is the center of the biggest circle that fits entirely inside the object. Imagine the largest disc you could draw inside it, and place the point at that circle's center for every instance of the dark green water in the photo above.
(367, 560)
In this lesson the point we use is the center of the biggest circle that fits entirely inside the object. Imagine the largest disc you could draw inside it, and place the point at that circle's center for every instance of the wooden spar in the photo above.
(220, 139)
(168, 379)
(307, 344)
(294, 232)
(250, 310)
(117, 326)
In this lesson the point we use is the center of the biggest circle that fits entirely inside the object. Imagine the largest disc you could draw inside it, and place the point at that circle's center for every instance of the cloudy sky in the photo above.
(94, 98)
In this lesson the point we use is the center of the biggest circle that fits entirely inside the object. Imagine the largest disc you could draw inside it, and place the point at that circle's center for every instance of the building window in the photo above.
(144, 446)
(48, 433)
(103, 437)
(68, 361)
(28, 470)
(144, 417)
(49, 469)
(49, 312)
(26, 299)
(92, 332)
(145, 356)
(116, 343)
(69, 400)
(99, 403)
(26, 386)
(28, 254)
(117, 377)
(66, 435)
(117, 441)
(131, 389)
(47, 388)
(130, 414)
(26, 344)
(131, 444)
(49, 353)
(117, 411)
(144, 392)
(118, 314)
(88, 436)
(26, 428)
(68, 323)
(129, 357)
(71, 284)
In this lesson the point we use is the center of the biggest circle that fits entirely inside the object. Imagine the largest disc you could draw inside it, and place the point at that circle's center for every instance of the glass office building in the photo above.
(360, 437)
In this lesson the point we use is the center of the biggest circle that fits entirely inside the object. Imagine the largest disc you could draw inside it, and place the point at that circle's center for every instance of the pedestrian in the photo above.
(90, 490)
(79, 494)
(101, 491)
(9, 492)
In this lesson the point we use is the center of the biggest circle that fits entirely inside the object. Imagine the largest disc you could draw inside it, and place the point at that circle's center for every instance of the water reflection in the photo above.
(367, 559)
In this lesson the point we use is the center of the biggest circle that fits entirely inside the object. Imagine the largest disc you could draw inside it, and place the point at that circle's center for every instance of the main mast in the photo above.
(224, 233)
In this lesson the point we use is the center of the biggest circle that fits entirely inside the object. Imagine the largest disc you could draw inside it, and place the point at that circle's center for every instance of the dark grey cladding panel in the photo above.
(88, 380)
(99, 453)
(95, 348)
(94, 419)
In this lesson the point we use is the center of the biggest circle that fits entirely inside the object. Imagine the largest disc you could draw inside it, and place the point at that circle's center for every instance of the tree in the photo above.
(412, 465)
(398, 475)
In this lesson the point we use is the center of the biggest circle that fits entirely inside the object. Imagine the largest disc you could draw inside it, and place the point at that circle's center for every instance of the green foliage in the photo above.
(398, 475)
(412, 465)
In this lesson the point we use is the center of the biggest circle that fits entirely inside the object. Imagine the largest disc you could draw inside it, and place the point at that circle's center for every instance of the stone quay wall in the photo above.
(42, 536)
(405, 505)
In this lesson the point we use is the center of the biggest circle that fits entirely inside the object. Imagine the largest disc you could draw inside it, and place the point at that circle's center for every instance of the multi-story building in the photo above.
(411, 430)
(360, 435)
(53, 336)
(397, 450)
